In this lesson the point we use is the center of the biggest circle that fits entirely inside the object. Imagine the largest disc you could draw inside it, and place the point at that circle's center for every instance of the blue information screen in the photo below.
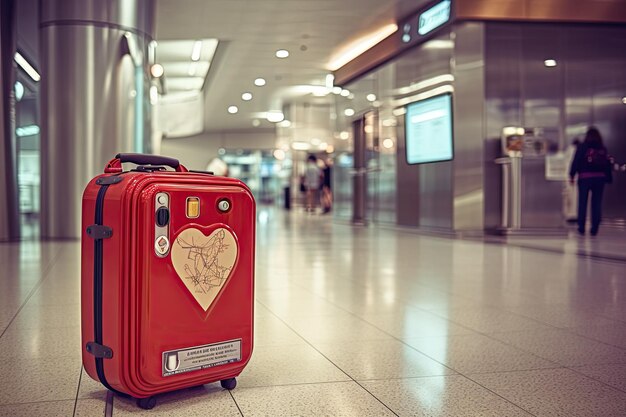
(429, 130)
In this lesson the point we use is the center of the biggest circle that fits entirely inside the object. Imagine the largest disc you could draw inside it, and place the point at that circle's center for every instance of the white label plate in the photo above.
(201, 357)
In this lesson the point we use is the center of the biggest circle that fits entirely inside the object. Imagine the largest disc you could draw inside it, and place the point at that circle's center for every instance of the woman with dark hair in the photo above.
(593, 166)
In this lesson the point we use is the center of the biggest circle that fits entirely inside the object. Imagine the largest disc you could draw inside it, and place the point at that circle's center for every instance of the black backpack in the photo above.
(595, 160)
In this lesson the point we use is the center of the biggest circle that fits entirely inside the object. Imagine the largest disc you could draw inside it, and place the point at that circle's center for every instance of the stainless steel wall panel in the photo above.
(469, 126)
(408, 191)
(585, 88)
(435, 195)
(541, 199)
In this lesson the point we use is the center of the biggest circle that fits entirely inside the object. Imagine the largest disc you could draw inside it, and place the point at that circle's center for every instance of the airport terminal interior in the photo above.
(432, 259)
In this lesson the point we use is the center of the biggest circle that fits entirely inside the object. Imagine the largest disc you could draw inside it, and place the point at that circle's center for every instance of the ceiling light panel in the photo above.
(196, 51)
(186, 63)
(25, 65)
(183, 83)
(181, 50)
(181, 69)
(282, 53)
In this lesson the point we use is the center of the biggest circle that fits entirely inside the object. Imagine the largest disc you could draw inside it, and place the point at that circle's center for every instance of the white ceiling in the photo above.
(250, 32)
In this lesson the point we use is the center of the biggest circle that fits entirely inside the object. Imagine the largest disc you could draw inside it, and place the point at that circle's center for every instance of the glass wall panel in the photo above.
(380, 97)
(28, 164)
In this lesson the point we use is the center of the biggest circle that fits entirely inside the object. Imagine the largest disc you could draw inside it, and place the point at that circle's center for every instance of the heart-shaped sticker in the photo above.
(204, 263)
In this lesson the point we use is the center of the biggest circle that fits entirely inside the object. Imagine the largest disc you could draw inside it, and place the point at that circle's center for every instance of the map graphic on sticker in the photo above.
(204, 263)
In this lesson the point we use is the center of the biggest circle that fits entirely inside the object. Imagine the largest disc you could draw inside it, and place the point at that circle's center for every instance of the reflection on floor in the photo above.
(355, 322)
(610, 244)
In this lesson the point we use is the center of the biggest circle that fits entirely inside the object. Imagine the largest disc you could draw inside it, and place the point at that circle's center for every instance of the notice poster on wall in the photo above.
(428, 126)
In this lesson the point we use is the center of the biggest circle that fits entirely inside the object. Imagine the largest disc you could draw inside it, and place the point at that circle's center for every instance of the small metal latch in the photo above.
(224, 205)
(99, 351)
(98, 231)
(108, 180)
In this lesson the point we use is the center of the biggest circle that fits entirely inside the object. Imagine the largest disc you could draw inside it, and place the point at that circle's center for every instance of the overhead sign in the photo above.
(434, 17)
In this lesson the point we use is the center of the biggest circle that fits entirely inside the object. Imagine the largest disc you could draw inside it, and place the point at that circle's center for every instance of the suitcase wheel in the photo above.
(229, 383)
(146, 403)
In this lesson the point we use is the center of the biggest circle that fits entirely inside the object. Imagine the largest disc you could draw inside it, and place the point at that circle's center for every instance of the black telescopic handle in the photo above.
(145, 159)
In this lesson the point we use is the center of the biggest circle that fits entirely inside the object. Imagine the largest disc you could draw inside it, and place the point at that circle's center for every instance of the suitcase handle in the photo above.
(115, 164)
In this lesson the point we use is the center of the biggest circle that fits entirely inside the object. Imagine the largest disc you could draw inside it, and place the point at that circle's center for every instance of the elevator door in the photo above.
(368, 172)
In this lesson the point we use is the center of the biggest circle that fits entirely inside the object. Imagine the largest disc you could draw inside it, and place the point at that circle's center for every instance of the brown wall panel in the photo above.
(610, 11)
(590, 11)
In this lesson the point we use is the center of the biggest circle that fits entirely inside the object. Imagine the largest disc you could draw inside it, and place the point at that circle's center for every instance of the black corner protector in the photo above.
(111, 179)
(97, 231)
(99, 351)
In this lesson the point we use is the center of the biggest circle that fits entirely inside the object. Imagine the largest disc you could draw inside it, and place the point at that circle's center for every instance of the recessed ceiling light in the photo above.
(345, 93)
(623, 100)
(259, 82)
(256, 123)
(371, 97)
(388, 143)
(233, 109)
(549, 63)
(246, 96)
(348, 112)
(344, 135)
(337, 90)
(156, 70)
(282, 53)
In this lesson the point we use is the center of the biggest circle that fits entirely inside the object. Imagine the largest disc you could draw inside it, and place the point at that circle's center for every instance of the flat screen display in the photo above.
(428, 126)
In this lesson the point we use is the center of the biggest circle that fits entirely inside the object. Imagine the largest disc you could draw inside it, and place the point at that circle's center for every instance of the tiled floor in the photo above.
(354, 322)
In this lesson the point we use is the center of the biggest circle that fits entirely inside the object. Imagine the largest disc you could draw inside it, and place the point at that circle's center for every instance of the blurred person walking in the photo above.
(327, 193)
(593, 167)
(312, 182)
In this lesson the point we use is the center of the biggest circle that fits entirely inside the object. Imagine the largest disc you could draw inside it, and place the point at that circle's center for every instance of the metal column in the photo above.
(92, 59)
(9, 205)
(359, 194)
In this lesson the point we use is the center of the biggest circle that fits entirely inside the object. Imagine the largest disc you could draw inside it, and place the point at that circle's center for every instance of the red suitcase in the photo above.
(167, 284)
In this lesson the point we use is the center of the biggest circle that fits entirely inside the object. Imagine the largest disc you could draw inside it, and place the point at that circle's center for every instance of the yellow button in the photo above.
(193, 207)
